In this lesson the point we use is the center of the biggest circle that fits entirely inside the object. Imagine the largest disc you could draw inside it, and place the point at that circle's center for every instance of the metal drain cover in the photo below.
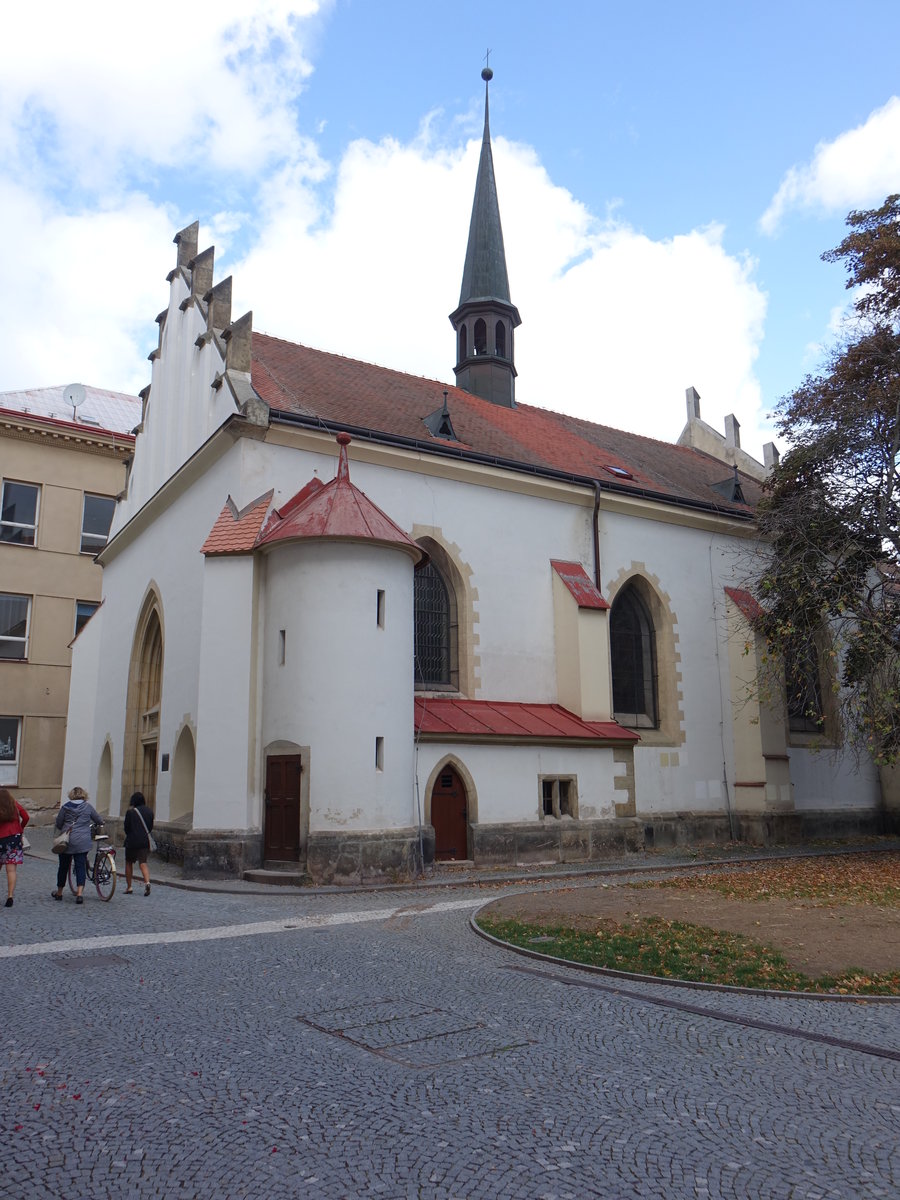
(409, 1033)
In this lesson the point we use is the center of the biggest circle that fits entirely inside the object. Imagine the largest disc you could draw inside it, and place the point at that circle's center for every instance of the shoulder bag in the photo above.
(150, 837)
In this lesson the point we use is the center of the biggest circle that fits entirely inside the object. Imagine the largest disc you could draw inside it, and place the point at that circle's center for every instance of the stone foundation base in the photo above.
(554, 841)
(214, 851)
(367, 857)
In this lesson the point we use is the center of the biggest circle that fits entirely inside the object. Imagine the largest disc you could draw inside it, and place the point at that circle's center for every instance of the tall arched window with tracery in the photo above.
(632, 644)
(433, 665)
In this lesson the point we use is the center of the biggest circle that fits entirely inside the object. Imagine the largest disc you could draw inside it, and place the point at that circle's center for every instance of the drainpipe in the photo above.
(595, 529)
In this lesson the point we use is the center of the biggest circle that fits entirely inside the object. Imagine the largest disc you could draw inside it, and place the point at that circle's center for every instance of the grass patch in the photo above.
(842, 879)
(679, 950)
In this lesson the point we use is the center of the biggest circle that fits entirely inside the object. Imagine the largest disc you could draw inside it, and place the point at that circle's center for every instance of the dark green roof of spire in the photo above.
(484, 275)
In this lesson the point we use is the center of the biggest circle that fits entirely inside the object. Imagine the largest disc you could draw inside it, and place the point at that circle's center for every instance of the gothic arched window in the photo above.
(463, 343)
(432, 627)
(480, 337)
(632, 644)
(500, 339)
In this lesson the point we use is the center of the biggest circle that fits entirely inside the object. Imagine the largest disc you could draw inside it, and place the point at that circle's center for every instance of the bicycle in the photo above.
(102, 871)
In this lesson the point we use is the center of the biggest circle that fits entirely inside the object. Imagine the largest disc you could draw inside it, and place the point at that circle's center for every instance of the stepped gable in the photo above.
(337, 510)
(294, 379)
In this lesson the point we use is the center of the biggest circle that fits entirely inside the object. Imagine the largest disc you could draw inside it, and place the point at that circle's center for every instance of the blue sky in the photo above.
(668, 177)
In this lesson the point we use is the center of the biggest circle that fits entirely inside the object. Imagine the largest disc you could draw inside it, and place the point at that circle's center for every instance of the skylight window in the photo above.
(619, 472)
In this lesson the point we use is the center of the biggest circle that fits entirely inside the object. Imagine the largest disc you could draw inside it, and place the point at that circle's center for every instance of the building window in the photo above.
(19, 513)
(14, 626)
(379, 608)
(432, 626)
(500, 339)
(95, 522)
(632, 646)
(10, 735)
(463, 343)
(480, 337)
(84, 610)
(559, 794)
(806, 713)
(9, 740)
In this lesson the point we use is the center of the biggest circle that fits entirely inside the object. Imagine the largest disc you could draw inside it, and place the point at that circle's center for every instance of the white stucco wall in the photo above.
(506, 782)
(345, 680)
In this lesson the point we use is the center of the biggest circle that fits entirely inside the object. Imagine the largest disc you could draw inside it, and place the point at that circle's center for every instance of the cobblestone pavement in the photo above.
(195, 1044)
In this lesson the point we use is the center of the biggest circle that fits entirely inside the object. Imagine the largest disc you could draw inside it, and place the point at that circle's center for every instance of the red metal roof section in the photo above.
(437, 716)
(312, 383)
(337, 510)
(579, 583)
(236, 531)
(748, 604)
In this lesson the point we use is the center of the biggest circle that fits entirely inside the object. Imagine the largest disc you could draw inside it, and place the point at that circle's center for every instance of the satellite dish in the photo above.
(74, 394)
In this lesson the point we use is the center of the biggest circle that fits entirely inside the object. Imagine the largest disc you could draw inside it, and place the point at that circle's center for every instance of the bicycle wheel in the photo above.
(73, 886)
(105, 876)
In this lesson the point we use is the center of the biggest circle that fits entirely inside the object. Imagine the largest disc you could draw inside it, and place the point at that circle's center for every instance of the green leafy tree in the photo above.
(831, 509)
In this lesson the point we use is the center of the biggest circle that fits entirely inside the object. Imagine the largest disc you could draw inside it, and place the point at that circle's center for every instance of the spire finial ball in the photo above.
(487, 74)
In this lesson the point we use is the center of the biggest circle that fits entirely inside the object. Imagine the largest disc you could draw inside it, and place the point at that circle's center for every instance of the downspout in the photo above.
(595, 530)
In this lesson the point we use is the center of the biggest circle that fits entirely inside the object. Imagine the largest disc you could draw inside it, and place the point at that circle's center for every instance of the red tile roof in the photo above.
(235, 532)
(337, 509)
(438, 719)
(579, 584)
(312, 384)
(748, 604)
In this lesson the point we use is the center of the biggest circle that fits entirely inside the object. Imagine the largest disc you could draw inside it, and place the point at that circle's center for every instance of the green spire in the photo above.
(484, 274)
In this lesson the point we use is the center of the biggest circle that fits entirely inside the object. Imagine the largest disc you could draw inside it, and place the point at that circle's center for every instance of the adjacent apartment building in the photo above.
(64, 456)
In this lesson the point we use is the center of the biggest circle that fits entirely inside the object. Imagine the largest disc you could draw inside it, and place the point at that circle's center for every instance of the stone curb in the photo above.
(482, 878)
(688, 984)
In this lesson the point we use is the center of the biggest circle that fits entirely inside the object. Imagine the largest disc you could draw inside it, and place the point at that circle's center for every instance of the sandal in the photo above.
(128, 891)
(79, 899)
(147, 890)
(56, 895)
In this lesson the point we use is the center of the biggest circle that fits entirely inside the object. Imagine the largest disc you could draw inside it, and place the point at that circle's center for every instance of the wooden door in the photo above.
(450, 816)
(282, 838)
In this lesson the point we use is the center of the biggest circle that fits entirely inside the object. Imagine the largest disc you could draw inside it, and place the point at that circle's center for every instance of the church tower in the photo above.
(486, 317)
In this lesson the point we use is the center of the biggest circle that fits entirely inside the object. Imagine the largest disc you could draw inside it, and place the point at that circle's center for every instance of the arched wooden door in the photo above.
(450, 816)
(282, 834)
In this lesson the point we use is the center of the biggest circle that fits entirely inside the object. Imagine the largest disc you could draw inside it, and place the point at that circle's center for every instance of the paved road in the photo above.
(207, 1045)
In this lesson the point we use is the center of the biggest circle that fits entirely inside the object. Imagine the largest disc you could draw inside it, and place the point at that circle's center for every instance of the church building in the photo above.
(355, 621)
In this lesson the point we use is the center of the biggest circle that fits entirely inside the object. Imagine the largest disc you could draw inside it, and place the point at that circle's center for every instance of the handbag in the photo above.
(150, 837)
(60, 844)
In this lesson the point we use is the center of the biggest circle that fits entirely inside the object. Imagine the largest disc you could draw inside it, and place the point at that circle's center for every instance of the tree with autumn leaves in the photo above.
(830, 586)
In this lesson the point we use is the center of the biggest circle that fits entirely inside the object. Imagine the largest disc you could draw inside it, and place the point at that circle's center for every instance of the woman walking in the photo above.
(77, 816)
(13, 819)
(138, 823)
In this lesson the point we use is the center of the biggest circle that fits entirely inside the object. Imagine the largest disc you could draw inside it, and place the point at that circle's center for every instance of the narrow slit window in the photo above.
(379, 754)
(282, 644)
(379, 608)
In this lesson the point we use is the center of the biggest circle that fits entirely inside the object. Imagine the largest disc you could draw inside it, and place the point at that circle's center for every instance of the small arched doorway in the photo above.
(450, 816)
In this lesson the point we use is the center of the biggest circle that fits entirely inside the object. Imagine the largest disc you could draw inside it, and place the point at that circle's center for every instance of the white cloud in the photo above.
(615, 325)
(363, 256)
(83, 293)
(859, 168)
(206, 85)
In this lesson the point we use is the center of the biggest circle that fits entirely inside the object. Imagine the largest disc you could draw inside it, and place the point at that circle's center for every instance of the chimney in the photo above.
(732, 432)
(770, 456)
(692, 397)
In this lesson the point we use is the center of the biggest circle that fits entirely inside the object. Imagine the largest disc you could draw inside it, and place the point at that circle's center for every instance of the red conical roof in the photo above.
(338, 510)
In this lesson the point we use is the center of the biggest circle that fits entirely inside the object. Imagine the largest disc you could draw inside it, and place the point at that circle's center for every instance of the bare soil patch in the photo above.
(815, 937)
